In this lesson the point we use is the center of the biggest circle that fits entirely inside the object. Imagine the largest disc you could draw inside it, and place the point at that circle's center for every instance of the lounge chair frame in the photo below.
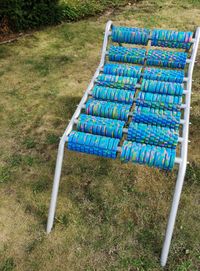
(181, 161)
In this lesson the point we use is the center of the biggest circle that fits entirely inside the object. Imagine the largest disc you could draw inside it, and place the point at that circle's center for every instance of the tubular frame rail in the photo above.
(183, 140)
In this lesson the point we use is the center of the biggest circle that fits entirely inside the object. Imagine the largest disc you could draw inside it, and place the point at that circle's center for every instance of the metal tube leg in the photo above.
(172, 216)
(56, 182)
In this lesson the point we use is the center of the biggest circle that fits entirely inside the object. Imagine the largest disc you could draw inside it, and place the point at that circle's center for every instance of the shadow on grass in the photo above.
(195, 125)
(66, 106)
(193, 174)
(47, 63)
(4, 51)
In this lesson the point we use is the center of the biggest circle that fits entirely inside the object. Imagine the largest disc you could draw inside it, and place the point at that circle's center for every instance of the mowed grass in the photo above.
(110, 216)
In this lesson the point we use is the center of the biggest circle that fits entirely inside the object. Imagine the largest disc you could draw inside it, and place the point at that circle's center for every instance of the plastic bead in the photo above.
(130, 35)
(157, 116)
(151, 155)
(113, 94)
(116, 81)
(100, 126)
(129, 55)
(162, 87)
(168, 102)
(107, 109)
(171, 38)
(122, 70)
(164, 75)
(93, 144)
(153, 135)
(166, 59)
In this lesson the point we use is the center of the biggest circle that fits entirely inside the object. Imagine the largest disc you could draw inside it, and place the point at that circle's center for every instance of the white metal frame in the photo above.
(184, 151)
(181, 161)
(63, 139)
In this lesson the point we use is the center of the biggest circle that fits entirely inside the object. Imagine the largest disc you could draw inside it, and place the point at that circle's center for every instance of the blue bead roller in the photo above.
(157, 116)
(129, 55)
(171, 38)
(115, 81)
(107, 109)
(113, 94)
(164, 74)
(130, 35)
(100, 126)
(152, 134)
(122, 70)
(151, 155)
(166, 58)
(162, 87)
(93, 144)
(168, 102)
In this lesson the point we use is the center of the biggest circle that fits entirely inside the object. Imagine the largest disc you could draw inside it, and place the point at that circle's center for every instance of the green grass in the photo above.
(8, 265)
(73, 10)
(110, 216)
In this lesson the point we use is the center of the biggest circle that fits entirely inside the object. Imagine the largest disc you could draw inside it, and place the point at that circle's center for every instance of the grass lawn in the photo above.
(110, 216)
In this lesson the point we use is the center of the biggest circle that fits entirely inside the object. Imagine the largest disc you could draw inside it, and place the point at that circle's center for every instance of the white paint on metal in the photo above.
(183, 164)
(69, 128)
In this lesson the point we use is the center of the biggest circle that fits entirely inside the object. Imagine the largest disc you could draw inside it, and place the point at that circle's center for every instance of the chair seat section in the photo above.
(150, 155)
(166, 75)
(166, 58)
(100, 126)
(129, 55)
(168, 102)
(93, 144)
(113, 94)
(107, 109)
(164, 118)
(115, 81)
(152, 134)
(122, 70)
(162, 87)
(171, 38)
(130, 35)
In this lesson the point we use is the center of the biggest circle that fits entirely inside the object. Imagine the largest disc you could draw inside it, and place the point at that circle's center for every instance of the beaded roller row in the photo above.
(115, 81)
(130, 35)
(166, 58)
(162, 87)
(129, 55)
(153, 135)
(107, 109)
(113, 94)
(122, 70)
(171, 38)
(176, 76)
(93, 144)
(148, 154)
(100, 126)
(157, 116)
(159, 37)
(154, 57)
(153, 100)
